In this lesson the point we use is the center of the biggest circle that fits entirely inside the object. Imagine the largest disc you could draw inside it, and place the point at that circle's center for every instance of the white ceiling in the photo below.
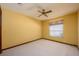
(31, 9)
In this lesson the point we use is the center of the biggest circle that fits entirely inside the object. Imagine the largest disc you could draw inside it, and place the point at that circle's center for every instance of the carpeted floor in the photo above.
(42, 48)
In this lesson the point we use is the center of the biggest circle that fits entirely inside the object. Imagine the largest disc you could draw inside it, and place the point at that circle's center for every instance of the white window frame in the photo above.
(57, 33)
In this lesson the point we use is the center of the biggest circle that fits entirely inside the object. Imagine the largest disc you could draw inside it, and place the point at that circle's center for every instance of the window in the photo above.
(56, 29)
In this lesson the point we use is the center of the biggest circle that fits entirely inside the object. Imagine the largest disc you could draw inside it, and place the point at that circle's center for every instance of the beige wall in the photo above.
(78, 28)
(18, 28)
(70, 29)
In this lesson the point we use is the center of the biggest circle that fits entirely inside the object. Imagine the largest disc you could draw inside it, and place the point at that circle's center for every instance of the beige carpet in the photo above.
(42, 48)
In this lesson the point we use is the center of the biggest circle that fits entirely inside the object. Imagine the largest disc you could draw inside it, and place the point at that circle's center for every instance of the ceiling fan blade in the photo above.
(45, 15)
(39, 11)
(49, 11)
(40, 15)
(43, 10)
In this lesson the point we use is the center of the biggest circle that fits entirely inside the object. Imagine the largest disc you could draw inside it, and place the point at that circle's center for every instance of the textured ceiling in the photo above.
(31, 9)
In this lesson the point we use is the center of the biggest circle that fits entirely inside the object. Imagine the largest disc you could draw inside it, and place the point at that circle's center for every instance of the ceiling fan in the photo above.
(44, 12)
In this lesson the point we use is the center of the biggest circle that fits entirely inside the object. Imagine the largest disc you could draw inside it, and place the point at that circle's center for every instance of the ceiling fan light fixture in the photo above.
(44, 12)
